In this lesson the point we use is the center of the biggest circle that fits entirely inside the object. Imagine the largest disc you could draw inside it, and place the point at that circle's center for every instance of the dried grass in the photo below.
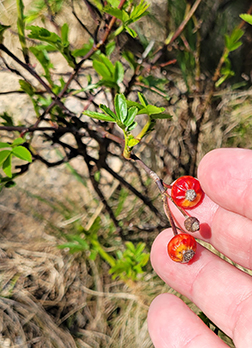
(47, 299)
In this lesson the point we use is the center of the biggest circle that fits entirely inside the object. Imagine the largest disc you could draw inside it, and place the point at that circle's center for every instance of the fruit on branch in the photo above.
(192, 224)
(186, 192)
(182, 248)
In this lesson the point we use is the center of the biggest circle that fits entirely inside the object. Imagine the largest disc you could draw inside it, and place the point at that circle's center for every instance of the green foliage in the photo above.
(7, 120)
(232, 43)
(41, 54)
(39, 7)
(21, 29)
(127, 18)
(124, 116)
(246, 17)
(112, 75)
(130, 263)
(60, 44)
(14, 150)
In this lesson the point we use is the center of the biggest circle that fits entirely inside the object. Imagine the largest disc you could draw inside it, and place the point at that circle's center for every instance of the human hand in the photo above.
(219, 289)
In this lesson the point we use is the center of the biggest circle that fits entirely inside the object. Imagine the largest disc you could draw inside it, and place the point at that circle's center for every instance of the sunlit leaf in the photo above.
(3, 155)
(131, 115)
(98, 116)
(102, 69)
(22, 153)
(3, 145)
(246, 17)
(142, 99)
(18, 141)
(7, 166)
(161, 116)
(121, 107)
(119, 72)
(151, 110)
(115, 12)
(131, 31)
(108, 111)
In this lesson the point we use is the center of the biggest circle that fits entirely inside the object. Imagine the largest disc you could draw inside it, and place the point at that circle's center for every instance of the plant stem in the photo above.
(109, 259)
(168, 213)
(161, 188)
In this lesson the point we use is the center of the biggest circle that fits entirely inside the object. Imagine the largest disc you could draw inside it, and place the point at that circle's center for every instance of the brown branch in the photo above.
(161, 188)
(138, 194)
(34, 74)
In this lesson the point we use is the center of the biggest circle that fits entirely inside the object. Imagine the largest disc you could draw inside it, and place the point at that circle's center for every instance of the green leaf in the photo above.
(221, 80)
(21, 28)
(129, 56)
(61, 45)
(7, 166)
(235, 46)
(110, 47)
(131, 32)
(3, 145)
(114, 3)
(131, 126)
(3, 155)
(142, 99)
(131, 116)
(115, 12)
(121, 107)
(139, 11)
(119, 72)
(98, 116)
(246, 17)
(27, 87)
(232, 42)
(109, 65)
(22, 153)
(150, 110)
(8, 119)
(108, 111)
(45, 35)
(2, 30)
(131, 103)
(42, 56)
(161, 116)
(102, 70)
(64, 34)
(18, 141)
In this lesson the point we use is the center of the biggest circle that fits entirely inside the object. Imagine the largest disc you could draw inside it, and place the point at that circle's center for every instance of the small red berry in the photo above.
(186, 192)
(182, 248)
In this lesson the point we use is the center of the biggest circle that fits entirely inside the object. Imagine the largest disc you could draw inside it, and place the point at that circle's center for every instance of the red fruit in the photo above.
(182, 248)
(186, 192)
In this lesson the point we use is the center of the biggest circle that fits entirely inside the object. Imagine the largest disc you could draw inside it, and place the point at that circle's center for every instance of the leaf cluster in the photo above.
(124, 116)
(15, 149)
(130, 263)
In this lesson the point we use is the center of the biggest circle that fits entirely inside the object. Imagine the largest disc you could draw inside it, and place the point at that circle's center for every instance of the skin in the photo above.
(220, 290)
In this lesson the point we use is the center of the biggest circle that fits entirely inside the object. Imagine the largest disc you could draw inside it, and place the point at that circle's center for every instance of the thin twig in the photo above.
(178, 31)
(161, 188)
